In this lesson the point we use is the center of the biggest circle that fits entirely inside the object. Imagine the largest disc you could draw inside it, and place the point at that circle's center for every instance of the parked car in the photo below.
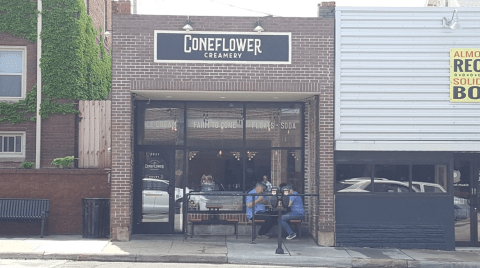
(382, 185)
(427, 187)
(155, 197)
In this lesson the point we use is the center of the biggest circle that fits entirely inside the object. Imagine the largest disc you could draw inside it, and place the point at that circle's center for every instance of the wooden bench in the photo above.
(15, 210)
(233, 222)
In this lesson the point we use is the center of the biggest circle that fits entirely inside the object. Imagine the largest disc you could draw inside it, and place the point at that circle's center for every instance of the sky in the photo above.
(279, 8)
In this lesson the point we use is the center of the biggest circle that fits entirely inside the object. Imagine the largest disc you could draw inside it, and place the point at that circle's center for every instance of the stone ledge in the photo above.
(73, 171)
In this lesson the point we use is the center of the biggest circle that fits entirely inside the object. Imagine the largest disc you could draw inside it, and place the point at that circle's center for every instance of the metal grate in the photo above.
(96, 217)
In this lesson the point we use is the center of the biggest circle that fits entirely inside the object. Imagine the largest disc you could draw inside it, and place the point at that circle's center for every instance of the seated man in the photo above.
(259, 208)
(297, 211)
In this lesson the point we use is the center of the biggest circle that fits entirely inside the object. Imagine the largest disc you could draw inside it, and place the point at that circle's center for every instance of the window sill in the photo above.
(11, 100)
(18, 159)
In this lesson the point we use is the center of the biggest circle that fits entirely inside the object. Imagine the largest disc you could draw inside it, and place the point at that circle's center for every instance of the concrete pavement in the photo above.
(227, 249)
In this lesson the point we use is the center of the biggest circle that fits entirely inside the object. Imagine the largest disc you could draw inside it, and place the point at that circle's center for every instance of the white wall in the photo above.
(392, 80)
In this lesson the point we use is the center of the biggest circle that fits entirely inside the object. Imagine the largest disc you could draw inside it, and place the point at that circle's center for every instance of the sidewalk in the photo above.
(227, 249)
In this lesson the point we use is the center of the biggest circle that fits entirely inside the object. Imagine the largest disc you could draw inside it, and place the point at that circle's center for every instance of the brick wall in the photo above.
(101, 13)
(58, 138)
(64, 187)
(133, 68)
(96, 10)
(121, 7)
(326, 205)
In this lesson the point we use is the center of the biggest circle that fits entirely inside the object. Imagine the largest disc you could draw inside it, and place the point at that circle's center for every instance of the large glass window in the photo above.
(12, 72)
(217, 125)
(429, 178)
(211, 171)
(161, 125)
(227, 146)
(349, 176)
(271, 125)
(223, 168)
(357, 178)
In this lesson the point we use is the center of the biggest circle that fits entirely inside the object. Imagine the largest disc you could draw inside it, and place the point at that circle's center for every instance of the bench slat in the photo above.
(25, 210)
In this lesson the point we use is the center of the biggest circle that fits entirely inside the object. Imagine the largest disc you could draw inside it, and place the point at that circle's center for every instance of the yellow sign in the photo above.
(465, 75)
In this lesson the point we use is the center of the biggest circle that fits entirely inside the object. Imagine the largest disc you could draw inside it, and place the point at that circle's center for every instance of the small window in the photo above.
(12, 72)
(12, 145)
(430, 178)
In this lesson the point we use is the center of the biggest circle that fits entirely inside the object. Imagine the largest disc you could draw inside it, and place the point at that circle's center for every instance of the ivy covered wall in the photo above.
(74, 66)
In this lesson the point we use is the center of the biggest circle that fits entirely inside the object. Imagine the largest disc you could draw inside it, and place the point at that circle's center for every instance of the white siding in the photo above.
(392, 80)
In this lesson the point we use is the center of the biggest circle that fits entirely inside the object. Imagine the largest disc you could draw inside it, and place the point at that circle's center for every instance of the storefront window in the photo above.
(352, 177)
(222, 148)
(273, 125)
(429, 178)
(357, 178)
(215, 170)
(287, 168)
(161, 126)
(214, 125)
(390, 179)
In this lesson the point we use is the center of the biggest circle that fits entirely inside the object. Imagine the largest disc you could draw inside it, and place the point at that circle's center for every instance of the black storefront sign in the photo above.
(223, 47)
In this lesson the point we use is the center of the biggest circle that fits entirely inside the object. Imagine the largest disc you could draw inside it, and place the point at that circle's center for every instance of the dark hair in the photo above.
(282, 185)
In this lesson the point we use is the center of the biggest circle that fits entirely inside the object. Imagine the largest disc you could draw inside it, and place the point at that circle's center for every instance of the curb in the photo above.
(210, 258)
(223, 259)
(437, 264)
(379, 263)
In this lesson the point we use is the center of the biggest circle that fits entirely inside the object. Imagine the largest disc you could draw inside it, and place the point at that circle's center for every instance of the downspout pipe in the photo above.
(39, 87)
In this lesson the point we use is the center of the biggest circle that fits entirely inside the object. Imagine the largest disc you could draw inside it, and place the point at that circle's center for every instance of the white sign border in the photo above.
(214, 62)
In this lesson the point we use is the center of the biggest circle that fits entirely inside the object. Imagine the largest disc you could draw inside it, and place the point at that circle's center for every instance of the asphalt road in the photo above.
(90, 264)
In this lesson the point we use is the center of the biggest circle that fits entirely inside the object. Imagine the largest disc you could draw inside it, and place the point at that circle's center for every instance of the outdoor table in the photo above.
(214, 210)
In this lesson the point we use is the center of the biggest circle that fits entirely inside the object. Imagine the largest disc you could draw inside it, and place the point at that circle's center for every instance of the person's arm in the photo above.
(291, 198)
(249, 202)
(257, 200)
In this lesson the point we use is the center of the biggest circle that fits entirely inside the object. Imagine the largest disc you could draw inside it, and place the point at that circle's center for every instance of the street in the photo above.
(94, 264)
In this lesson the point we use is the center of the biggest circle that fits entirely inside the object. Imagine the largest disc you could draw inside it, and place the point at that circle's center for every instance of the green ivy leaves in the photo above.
(74, 66)
(19, 17)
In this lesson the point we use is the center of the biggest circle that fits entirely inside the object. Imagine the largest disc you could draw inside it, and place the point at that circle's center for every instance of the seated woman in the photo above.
(297, 211)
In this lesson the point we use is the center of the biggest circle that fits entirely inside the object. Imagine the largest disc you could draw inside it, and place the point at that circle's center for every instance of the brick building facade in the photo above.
(308, 80)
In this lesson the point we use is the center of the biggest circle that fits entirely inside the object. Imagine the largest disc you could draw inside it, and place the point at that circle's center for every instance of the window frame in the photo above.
(22, 49)
(13, 156)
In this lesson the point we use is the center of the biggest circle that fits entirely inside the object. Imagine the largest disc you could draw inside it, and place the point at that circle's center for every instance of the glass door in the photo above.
(466, 185)
(155, 192)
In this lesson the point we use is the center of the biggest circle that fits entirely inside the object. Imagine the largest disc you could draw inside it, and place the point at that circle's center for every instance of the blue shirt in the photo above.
(259, 207)
(297, 204)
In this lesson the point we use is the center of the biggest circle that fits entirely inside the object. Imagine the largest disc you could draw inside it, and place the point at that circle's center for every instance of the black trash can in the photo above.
(96, 217)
